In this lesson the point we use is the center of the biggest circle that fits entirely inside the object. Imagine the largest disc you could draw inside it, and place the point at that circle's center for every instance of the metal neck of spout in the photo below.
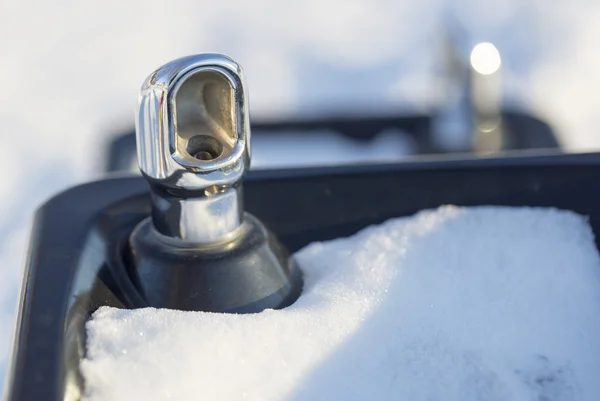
(210, 217)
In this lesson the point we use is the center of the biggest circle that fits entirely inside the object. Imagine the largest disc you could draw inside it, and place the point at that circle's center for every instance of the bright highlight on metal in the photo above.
(485, 58)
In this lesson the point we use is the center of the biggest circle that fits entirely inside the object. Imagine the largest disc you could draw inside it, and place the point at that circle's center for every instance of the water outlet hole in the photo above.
(204, 147)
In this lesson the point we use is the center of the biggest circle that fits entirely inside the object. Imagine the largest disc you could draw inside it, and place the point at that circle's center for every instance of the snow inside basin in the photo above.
(484, 303)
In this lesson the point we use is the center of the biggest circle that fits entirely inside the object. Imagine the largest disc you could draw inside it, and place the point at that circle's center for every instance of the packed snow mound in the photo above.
(485, 303)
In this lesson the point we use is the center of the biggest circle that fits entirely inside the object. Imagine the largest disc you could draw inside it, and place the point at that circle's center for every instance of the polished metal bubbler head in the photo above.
(193, 144)
(199, 250)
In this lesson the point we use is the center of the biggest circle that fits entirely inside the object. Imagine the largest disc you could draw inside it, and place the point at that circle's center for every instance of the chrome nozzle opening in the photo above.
(205, 123)
(193, 126)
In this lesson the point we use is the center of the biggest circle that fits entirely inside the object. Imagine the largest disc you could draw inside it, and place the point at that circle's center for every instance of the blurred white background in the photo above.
(70, 74)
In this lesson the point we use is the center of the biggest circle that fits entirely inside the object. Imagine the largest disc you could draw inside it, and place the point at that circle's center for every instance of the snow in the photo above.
(484, 303)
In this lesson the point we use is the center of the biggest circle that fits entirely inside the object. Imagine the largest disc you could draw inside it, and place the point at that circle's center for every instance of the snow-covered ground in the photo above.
(454, 304)
(71, 71)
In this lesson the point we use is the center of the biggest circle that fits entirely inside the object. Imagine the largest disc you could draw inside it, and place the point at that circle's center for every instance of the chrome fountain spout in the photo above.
(193, 144)
(470, 116)
(199, 250)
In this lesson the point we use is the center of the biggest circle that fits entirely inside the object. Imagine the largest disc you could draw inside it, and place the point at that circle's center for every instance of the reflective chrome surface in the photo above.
(470, 116)
(453, 122)
(486, 95)
(193, 144)
(199, 220)
(197, 96)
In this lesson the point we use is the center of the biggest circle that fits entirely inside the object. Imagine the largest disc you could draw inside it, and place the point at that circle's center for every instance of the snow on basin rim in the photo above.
(485, 303)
